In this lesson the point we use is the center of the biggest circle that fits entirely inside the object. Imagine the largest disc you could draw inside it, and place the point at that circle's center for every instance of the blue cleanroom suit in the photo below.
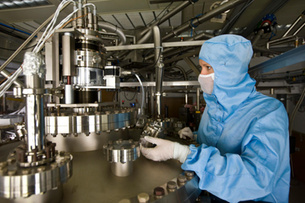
(244, 151)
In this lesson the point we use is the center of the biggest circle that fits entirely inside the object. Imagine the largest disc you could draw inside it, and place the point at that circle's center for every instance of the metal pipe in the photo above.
(25, 43)
(169, 15)
(197, 98)
(257, 37)
(115, 29)
(299, 29)
(294, 24)
(199, 36)
(159, 68)
(207, 16)
(152, 105)
(7, 74)
(35, 112)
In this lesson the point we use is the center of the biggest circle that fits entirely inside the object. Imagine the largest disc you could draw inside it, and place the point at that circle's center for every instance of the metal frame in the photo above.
(289, 58)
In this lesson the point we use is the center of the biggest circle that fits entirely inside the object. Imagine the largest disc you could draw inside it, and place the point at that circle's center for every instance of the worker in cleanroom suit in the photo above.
(244, 151)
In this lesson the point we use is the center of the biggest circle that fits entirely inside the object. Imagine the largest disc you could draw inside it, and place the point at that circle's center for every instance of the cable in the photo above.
(29, 39)
(6, 85)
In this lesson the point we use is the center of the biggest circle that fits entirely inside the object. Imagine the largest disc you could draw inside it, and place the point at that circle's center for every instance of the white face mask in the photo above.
(206, 82)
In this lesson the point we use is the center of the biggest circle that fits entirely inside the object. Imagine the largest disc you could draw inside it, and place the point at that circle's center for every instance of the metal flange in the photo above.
(122, 151)
(87, 123)
(23, 182)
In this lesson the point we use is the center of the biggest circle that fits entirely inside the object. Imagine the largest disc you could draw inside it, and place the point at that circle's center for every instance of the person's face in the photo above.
(205, 68)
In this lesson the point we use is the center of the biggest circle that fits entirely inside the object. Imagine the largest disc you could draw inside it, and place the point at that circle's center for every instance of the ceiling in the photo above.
(137, 14)
(133, 14)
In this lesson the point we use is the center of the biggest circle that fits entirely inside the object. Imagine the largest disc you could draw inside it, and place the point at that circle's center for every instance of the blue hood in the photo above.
(229, 55)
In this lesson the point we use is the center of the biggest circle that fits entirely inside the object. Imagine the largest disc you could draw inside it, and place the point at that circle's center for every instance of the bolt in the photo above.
(189, 174)
(181, 180)
(159, 192)
(143, 197)
(171, 186)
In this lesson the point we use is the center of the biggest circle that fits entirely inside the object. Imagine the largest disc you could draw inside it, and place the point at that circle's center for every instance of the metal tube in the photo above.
(197, 97)
(257, 37)
(68, 55)
(199, 36)
(115, 29)
(35, 112)
(159, 68)
(7, 74)
(169, 15)
(207, 16)
(293, 24)
(25, 43)
(152, 108)
(299, 29)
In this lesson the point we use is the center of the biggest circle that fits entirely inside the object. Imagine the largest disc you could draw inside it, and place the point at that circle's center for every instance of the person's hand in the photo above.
(186, 133)
(165, 150)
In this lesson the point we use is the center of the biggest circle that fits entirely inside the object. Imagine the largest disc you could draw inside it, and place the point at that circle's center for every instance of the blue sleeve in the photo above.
(249, 175)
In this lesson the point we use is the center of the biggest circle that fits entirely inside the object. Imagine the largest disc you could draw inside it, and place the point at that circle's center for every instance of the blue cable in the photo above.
(15, 29)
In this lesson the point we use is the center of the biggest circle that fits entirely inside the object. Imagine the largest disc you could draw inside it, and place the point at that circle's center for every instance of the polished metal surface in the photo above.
(16, 182)
(93, 181)
(88, 76)
(122, 150)
(121, 154)
(68, 46)
(88, 59)
(151, 45)
(94, 122)
(51, 196)
(165, 84)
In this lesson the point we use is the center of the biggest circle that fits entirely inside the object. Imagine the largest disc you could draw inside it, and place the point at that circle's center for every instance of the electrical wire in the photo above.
(6, 85)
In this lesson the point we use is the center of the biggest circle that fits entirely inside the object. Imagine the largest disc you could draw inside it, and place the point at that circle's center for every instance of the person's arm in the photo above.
(248, 176)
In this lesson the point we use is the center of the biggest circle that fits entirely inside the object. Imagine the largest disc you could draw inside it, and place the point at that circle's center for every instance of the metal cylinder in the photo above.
(34, 112)
(68, 47)
(69, 94)
(122, 169)
(159, 67)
